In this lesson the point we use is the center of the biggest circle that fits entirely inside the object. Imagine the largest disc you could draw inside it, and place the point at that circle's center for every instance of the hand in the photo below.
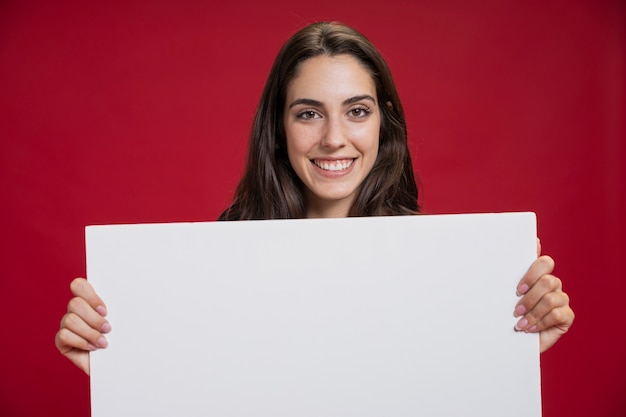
(544, 307)
(83, 327)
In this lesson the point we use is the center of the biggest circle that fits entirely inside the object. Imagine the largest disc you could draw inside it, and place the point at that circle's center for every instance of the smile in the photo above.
(336, 165)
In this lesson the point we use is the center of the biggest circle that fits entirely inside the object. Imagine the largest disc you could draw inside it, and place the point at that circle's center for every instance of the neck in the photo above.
(327, 210)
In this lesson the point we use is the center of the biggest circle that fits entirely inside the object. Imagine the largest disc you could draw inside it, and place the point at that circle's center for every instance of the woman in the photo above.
(329, 140)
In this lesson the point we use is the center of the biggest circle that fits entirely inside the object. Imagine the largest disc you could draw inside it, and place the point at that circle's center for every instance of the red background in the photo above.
(139, 112)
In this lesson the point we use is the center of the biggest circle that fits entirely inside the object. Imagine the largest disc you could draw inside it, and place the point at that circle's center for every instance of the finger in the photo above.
(542, 266)
(544, 285)
(64, 341)
(553, 326)
(538, 247)
(75, 324)
(83, 289)
(548, 303)
(560, 317)
(80, 307)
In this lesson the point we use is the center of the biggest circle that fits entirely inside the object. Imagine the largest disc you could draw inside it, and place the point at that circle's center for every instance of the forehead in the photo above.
(324, 76)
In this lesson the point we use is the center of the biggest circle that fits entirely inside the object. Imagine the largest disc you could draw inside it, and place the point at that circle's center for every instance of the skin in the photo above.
(323, 123)
(332, 122)
(84, 326)
(543, 306)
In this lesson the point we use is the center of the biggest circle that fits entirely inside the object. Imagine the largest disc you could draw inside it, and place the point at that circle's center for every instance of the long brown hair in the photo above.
(270, 188)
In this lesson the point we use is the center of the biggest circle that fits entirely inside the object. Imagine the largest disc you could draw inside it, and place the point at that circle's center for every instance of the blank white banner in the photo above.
(359, 317)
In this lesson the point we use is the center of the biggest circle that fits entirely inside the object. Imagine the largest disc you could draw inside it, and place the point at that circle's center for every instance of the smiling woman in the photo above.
(322, 145)
(332, 137)
(329, 140)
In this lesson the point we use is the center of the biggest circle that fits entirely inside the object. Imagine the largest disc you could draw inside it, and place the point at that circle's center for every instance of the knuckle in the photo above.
(552, 299)
(547, 262)
(550, 282)
(558, 316)
(62, 333)
(76, 284)
(63, 337)
(70, 321)
(544, 281)
(74, 304)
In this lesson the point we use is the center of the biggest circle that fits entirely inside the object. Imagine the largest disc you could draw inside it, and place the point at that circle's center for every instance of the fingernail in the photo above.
(102, 342)
(102, 310)
(91, 347)
(106, 327)
(522, 289)
(532, 329)
(520, 310)
(521, 324)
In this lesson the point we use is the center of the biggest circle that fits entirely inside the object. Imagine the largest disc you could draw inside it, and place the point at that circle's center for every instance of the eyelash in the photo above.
(365, 111)
(305, 114)
(308, 114)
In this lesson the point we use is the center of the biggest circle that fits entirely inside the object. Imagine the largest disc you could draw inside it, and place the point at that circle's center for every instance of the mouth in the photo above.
(333, 165)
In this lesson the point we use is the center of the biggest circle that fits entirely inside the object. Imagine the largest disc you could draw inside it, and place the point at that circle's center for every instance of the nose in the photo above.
(334, 136)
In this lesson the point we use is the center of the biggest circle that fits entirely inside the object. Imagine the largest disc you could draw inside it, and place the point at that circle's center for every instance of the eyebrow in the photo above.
(346, 102)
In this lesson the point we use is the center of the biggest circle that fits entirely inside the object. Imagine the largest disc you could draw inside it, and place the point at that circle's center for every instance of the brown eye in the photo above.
(359, 112)
(307, 115)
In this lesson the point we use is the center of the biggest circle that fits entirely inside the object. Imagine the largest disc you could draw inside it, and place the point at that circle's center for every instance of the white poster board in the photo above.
(387, 316)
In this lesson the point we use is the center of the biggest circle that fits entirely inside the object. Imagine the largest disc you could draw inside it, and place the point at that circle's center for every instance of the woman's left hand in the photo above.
(544, 307)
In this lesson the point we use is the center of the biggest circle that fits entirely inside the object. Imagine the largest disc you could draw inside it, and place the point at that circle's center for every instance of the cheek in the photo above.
(368, 139)
(295, 149)
(299, 140)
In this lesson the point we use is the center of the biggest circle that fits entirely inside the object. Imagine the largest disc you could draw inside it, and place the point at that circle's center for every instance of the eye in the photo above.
(359, 112)
(307, 115)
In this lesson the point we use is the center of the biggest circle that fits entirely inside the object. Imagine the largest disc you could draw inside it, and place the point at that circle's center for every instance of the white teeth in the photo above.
(334, 166)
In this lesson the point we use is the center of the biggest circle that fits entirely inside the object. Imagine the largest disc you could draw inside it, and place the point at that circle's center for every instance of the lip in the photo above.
(333, 167)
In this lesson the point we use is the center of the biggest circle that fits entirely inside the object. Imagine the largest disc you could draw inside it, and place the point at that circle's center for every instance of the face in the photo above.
(332, 126)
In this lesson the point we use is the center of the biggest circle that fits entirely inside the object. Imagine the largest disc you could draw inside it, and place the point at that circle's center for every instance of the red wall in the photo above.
(118, 113)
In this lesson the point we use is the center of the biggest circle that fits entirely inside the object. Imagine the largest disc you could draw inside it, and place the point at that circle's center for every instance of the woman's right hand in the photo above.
(83, 326)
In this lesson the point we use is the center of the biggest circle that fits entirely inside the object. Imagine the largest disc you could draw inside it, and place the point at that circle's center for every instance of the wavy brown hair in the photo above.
(270, 188)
